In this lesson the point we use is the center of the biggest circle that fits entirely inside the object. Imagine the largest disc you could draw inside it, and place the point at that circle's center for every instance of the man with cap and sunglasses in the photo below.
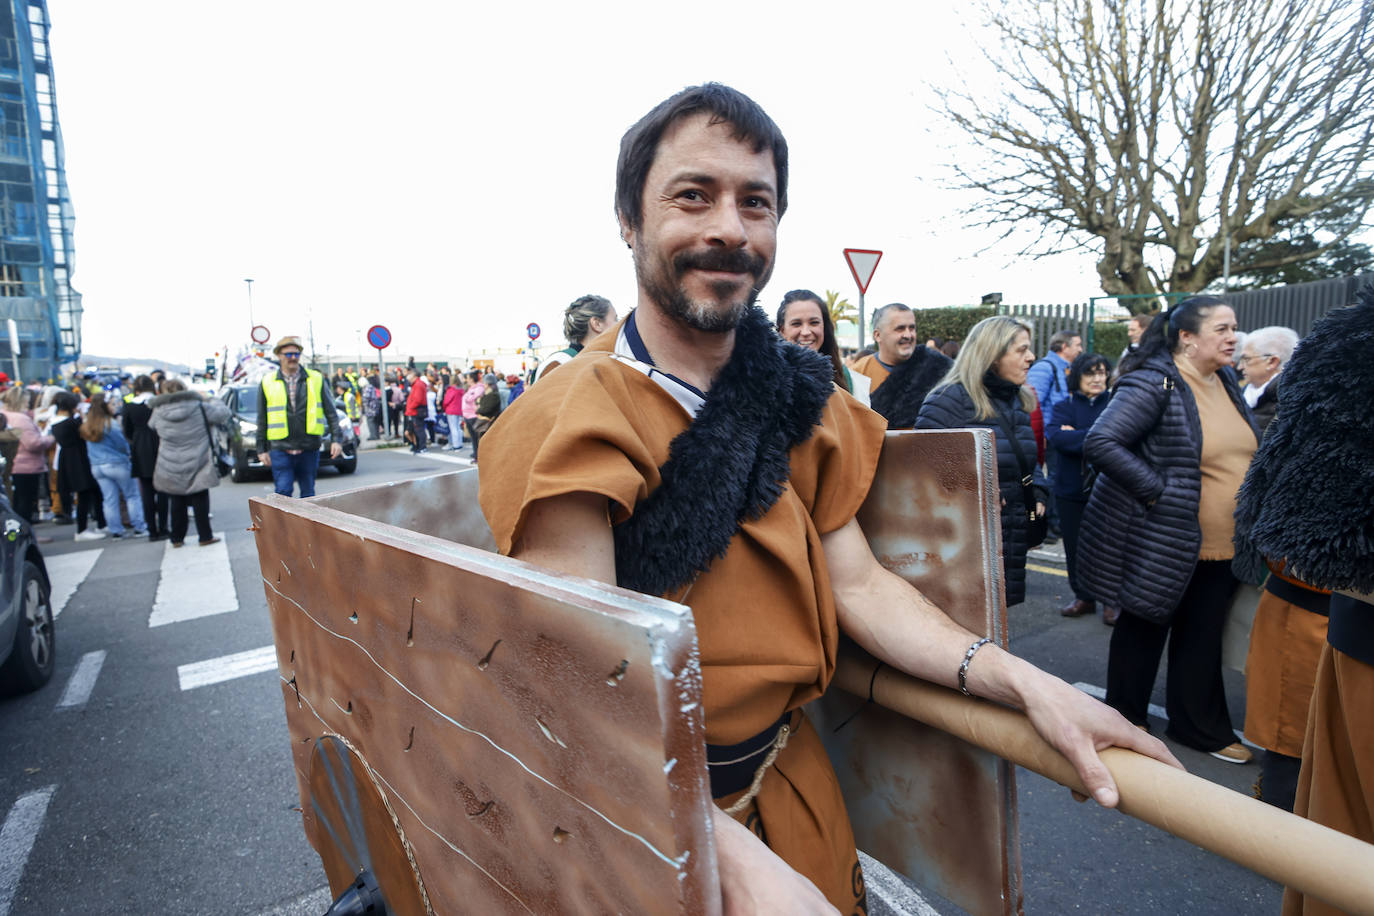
(293, 415)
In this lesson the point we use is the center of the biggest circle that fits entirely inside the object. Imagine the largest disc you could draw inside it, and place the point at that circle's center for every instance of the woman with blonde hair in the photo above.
(112, 468)
(986, 388)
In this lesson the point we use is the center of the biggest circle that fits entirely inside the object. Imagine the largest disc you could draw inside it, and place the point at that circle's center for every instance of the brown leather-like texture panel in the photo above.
(538, 737)
(926, 804)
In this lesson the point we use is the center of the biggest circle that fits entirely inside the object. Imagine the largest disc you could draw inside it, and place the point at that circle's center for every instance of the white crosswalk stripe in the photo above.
(194, 582)
(436, 454)
(17, 836)
(82, 681)
(66, 572)
(227, 667)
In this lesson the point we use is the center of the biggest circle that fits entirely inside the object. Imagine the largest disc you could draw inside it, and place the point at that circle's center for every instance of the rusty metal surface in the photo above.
(926, 804)
(444, 506)
(538, 737)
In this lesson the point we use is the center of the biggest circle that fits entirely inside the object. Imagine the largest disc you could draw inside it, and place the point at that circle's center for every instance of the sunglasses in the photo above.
(291, 354)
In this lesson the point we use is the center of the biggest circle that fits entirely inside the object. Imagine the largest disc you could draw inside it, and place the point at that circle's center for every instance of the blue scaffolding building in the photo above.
(36, 221)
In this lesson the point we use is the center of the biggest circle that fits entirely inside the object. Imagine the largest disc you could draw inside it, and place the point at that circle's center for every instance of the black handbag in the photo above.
(223, 462)
(1037, 526)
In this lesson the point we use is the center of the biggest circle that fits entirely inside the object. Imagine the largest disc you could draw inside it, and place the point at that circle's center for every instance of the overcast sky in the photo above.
(447, 169)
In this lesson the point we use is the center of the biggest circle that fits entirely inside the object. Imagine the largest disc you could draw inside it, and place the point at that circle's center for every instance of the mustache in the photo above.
(735, 261)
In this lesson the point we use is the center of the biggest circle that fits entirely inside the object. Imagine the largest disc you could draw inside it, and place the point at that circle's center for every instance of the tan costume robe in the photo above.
(764, 612)
(871, 367)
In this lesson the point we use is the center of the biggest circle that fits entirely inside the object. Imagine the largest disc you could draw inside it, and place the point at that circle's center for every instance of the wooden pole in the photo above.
(1291, 850)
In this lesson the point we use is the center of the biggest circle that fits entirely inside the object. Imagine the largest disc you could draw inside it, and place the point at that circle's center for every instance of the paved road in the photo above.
(153, 775)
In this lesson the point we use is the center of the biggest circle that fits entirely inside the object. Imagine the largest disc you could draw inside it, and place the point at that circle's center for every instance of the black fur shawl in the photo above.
(730, 465)
(1309, 494)
(900, 397)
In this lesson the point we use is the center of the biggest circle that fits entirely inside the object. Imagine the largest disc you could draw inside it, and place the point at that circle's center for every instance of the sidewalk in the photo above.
(1049, 553)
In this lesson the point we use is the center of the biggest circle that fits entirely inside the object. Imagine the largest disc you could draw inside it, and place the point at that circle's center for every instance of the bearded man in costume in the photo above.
(689, 453)
(902, 371)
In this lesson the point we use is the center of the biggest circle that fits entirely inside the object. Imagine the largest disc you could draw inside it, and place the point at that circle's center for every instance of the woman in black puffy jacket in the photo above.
(1171, 451)
(986, 388)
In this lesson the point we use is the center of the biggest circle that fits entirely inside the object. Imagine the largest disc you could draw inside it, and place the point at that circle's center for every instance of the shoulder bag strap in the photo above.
(1027, 470)
(214, 451)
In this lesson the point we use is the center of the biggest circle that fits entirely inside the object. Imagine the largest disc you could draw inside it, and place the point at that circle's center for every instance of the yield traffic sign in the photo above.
(862, 263)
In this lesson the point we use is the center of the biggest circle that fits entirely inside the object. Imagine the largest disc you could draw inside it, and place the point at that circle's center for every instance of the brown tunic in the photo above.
(1336, 786)
(1285, 644)
(870, 367)
(764, 612)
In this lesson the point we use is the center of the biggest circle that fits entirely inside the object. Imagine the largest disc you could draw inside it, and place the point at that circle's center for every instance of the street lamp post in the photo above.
(251, 323)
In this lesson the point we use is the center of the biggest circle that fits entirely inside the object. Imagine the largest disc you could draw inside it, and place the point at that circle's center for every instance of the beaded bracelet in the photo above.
(963, 666)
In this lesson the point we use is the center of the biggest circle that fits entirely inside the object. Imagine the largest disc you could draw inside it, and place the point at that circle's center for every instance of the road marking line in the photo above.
(311, 904)
(194, 582)
(1155, 709)
(17, 836)
(82, 681)
(1052, 570)
(66, 572)
(227, 667)
(888, 886)
(451, 459)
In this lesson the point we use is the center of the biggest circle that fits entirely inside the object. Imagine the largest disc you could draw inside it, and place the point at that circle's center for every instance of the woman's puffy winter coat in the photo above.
(1081, 412)
(183, 453)
(1140, 536)
(952, 408)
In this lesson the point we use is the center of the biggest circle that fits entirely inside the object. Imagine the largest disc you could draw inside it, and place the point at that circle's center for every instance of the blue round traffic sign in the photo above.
(532, 329)
(379, 337)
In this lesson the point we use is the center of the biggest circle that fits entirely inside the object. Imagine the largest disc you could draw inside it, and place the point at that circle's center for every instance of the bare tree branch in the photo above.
(1151, 130)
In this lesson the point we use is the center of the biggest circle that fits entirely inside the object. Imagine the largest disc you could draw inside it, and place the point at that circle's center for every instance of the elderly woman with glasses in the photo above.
(1073, 417)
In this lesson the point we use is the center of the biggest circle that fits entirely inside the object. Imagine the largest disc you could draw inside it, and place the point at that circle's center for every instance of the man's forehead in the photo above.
(698, 143)
(898, 318)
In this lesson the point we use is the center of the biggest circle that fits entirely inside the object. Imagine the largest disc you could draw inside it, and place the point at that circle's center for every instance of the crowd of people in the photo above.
(113, 464)
(447, 407)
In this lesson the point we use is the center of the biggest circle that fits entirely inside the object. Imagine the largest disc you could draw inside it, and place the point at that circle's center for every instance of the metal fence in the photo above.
(1297, 306)
(1048, 320)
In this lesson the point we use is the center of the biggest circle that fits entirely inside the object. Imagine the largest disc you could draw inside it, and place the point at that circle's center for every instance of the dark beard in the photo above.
(699, 316)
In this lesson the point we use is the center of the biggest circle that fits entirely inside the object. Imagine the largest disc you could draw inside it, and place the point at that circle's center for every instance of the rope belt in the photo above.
(733, 767)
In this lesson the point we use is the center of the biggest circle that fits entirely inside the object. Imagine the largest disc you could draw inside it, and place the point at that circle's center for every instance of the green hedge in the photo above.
(1109, 339)
(949, 323)
(954, 323)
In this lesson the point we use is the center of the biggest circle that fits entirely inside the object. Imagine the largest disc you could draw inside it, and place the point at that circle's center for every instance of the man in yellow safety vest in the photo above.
(294, 413)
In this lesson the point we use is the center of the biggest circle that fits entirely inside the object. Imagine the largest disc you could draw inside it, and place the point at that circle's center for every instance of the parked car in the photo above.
(243, 434)
(27, 643)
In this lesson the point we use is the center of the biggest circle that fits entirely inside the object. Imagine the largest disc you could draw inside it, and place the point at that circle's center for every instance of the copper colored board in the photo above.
(933, 516)
(444, 506)
(926, 804)
(539, 737)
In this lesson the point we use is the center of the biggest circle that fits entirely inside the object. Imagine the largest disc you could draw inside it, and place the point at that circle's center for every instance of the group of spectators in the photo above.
(132, 464)
(437, 404)
(1140, 478)
(433, 404)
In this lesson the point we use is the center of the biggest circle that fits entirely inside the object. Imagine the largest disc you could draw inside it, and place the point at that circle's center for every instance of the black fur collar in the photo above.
(730, 465)
(900, 397)
(1307, 494)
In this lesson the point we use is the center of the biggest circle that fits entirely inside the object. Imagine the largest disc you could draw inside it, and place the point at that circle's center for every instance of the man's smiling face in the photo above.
(710, 222)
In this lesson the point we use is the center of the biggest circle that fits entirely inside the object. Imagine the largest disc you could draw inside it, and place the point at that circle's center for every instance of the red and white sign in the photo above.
(862, 263)
(260, 334)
